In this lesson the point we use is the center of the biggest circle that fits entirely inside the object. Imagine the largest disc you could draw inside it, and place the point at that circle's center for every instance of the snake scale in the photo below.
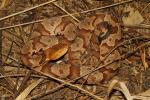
(60, 47)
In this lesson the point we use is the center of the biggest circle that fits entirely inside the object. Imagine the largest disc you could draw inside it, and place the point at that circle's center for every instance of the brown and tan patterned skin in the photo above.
(67, 50)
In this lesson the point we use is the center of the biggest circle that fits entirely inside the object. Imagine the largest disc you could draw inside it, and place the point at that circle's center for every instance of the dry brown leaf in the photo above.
(133, 17)
(26, 92)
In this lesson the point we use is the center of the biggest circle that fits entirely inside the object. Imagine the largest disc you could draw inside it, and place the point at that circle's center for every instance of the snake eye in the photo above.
(106, 30)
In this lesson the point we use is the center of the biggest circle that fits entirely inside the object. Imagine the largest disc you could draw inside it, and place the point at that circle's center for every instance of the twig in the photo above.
(6, 88)
(11, 40)
(66, 12)
(12, 33)
(145, 8)
(82, 12)
(21, 75)
(9, 51)
(140, 26)
(15, 14)
(23, 24)
(11, 65)
(112, 5)
(8, 81)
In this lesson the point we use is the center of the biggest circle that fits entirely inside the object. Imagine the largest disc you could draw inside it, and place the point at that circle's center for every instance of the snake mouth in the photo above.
(54, 53)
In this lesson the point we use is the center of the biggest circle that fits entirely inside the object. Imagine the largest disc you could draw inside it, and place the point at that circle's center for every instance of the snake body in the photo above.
(60, 47)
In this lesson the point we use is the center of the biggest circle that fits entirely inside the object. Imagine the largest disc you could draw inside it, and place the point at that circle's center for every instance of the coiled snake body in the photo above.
(67, 50)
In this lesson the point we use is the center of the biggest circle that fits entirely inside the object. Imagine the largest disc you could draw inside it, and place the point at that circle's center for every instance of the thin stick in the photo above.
(86, 11)
(15, 14)
(145, 8)
(66, 12)
(23, 24)
(140, 26)
(112, 5)
(21, 75)
(10, 49)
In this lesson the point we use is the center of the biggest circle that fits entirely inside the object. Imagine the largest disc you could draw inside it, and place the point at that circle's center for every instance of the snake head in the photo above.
(54, 53)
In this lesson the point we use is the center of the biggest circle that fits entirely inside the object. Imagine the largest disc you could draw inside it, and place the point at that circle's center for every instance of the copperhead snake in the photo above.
(67, 50)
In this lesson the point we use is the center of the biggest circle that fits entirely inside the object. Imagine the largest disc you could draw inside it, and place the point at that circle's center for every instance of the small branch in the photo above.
(21, 75)
(140, 26)
(66, 12)
(112, 5)
(15, 14)
(9, 39)
(23, 24)
(145, 8)
(9, 51)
